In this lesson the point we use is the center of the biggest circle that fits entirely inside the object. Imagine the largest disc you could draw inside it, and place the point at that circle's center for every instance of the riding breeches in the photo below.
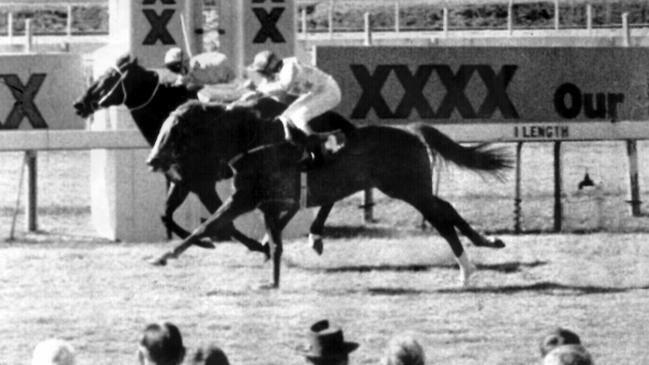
(312, 104)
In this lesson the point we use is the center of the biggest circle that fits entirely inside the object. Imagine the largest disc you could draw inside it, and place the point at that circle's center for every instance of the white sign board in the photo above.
(507, 93)
(38, 91)
(155, 27)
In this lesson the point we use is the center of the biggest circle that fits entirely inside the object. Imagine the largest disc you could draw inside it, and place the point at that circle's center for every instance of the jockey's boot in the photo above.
(294, 135)
(314, 151)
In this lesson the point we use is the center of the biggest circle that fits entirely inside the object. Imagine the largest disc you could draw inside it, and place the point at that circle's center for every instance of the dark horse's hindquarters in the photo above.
(396, 161)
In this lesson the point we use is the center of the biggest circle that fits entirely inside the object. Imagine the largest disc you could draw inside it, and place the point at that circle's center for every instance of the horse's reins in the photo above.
(122, 76)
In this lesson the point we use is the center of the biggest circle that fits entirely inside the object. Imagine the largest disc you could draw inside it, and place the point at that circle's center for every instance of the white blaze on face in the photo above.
(163, 135)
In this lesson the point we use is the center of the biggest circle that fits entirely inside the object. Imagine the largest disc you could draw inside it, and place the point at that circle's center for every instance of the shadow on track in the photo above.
(548, 288)
(505, 267)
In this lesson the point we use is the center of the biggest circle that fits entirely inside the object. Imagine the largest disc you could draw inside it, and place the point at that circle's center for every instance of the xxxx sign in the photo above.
(512, 86)
(37, 91)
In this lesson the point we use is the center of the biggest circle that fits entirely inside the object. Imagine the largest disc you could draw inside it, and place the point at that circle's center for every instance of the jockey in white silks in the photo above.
(316, 91)
(201, 71)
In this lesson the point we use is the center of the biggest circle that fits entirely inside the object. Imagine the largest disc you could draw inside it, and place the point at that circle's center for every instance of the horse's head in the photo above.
(111, 88)
(184, 140)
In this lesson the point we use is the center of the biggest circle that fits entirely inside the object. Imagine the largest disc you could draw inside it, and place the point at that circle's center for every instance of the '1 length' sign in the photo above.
(523, 93)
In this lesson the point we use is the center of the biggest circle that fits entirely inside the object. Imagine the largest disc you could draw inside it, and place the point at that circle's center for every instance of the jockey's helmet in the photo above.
(174, 59)
(266, 62)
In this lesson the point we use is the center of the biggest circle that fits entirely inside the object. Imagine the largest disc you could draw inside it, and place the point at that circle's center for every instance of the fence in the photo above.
(338, 16)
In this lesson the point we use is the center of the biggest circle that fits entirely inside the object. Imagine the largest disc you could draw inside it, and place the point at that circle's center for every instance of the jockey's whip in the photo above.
(185, 35)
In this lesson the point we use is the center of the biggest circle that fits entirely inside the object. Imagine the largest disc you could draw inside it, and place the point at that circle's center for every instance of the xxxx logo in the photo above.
(158, 22)
(268, 22)
(455, 84)
(24, 106)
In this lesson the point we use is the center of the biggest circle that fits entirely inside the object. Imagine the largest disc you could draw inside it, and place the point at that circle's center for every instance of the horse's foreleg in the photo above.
(315, 232)
(274, 225)
(236, 205)
(212, 202)
(176, 194)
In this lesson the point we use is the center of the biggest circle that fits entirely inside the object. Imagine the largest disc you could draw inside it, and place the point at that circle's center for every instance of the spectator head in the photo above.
(210, 355)
(161, 344)
(404, 350)
(327, 345)
(53, 352)
(568, 355)
(557, 337)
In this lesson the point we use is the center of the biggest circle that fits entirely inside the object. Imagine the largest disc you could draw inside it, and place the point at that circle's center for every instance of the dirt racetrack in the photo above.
(100, 296)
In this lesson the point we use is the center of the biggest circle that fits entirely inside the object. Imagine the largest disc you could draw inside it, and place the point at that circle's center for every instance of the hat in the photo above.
(568, 355)
(327, 342)
(264, 61)
(557, 337)
(210, 355)
(53, 352)
(163, 342)
(173, 55)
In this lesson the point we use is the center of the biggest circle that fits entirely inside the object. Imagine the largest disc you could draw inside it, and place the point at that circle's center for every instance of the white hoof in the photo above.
(466, 274)
(265, 240)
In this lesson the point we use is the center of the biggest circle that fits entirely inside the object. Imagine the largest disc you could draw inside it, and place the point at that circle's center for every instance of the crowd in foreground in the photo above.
(162, 344)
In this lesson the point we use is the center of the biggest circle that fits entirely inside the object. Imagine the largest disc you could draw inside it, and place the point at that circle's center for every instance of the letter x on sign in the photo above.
(413, 85)
(268, 22)
(24, 101)
(158, 23)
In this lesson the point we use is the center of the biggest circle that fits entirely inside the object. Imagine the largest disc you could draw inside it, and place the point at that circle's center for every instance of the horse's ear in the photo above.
(134, 61)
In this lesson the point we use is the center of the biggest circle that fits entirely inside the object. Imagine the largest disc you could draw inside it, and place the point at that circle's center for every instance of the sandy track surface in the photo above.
(100, 296)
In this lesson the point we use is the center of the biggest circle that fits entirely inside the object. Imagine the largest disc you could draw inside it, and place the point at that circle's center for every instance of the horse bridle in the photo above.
(120, 81)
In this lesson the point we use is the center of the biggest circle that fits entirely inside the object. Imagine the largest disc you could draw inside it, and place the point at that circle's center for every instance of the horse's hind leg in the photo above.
(236, 205)
(475, 237)
(176, 194)
(212, 202)
(315, 232)
(453, 216)
(440, 214)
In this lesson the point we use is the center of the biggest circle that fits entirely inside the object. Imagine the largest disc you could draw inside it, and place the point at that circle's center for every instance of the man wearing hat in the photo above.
(327, 345)
(201, 71)
(317, 92)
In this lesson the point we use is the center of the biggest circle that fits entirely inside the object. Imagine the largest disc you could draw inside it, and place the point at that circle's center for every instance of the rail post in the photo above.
(589, 17)
(10, 26)
(68, 25)
(303, 20)
(556, 15)
(367, 30)
(31, 158)
(558, 188)
(330, 18)
(397, 16)
(517, 192)
(369, 195)
(510, 17)
(445, 22)
(631, 144)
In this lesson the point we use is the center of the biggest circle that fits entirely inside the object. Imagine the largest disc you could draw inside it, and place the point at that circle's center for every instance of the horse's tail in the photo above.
(480, 158)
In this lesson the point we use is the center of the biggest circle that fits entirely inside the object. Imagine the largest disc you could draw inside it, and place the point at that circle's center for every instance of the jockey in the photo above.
(316, 91)
(200, 71)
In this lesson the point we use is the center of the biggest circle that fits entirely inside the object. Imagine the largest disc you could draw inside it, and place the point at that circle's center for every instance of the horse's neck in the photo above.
(151, 116)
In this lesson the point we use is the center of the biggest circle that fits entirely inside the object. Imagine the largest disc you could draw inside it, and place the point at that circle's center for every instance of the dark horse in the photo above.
(150, 101)
(396, 161)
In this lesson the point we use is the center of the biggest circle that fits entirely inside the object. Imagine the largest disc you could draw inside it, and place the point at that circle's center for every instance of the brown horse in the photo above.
(150, 101)
(396, 161)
